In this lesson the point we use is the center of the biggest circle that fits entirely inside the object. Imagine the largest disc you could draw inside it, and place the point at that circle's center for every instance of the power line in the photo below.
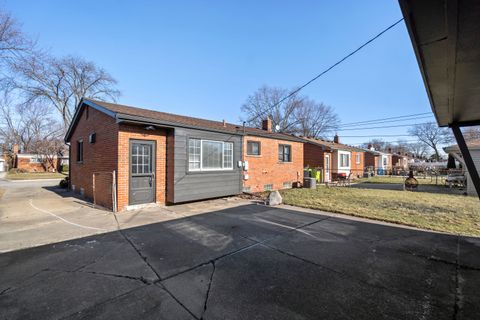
(381, 127)
(379, 135)
(384, 121)
(327, 70)
(390, 118)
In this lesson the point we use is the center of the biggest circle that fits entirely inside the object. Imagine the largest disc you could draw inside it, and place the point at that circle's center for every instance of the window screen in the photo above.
(284, 153)
(253, 148)
(344, 160)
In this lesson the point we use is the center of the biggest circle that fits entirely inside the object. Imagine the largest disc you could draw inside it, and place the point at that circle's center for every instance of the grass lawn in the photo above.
(35, 175)
(400, 180)
(448, 213)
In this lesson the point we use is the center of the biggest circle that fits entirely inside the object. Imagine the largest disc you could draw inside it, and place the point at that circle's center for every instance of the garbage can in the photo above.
(309, 183)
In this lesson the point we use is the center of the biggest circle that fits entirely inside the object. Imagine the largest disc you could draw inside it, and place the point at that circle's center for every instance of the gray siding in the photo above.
(476, 159)
(189, 186)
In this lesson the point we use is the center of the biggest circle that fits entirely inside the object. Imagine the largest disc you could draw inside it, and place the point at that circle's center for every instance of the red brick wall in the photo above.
(357, 168)
(266, 169)
(313, 156)
(100, 156)
(127, 132)
(24, 163)
(371, 160)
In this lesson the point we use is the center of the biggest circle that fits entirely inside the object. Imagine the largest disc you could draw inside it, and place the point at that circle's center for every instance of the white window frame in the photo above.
(35, 159)
(201, 169)
(358, 158)
(349, 156)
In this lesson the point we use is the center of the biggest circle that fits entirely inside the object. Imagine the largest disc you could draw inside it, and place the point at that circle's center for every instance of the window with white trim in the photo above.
(209, 155)
(35, 160)
(344, 160)
(357, 158)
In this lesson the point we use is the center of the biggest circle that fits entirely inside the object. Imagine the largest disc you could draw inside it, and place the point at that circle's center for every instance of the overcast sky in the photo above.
(203, 58)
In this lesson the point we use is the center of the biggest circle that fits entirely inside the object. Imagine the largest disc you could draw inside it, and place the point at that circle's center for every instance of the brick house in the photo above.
(378, 162)
(121, 156)
(333, 158)
(36, 163)
(274, 162)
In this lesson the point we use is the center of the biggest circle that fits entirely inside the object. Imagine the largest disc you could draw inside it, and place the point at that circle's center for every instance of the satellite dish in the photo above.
(277, 128)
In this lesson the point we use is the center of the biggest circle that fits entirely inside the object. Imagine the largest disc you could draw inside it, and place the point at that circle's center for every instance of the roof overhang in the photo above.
(446, 39)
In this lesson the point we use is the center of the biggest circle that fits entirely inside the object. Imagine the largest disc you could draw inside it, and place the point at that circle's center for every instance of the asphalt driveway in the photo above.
(248, 262)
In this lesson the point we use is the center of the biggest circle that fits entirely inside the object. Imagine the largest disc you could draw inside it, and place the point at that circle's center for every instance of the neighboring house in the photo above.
(400, 162)
(35, 163)
(164, 158)
(378, 162)
(474, 148)
(333, 158)
(3, 163)
(274, 161)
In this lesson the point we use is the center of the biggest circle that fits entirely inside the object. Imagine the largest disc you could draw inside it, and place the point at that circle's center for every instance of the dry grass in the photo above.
(440, 212)
(35, 176)
(2, 192)
(400, 180)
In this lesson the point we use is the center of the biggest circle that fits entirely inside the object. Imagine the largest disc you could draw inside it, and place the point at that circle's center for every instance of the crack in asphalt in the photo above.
(455, 263)
(458, 291)
(96, 305)
(159, 278)
(14, 288)
(208, 291)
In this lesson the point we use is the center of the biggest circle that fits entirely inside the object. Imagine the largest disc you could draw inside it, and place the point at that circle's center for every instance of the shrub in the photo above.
(64, 182)
(65, 168)
(17, 170)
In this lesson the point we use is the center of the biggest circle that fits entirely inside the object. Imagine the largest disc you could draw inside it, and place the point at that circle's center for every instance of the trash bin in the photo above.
(309, 183)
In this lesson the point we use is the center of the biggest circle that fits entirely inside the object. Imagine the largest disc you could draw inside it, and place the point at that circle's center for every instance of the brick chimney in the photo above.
(336, 139)
(267, 125)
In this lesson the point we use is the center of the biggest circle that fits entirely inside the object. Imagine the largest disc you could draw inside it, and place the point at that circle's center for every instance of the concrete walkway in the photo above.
(246, 262)
(38, 212)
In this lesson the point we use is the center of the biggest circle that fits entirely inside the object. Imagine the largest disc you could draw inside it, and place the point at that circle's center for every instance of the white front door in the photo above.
(327, 168)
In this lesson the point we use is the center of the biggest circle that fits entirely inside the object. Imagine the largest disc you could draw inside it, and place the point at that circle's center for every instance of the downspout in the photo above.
(243, 158)
(69, 166)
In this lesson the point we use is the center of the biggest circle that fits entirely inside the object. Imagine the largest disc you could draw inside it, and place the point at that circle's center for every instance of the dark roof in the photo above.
(123, 113)
(331, 145)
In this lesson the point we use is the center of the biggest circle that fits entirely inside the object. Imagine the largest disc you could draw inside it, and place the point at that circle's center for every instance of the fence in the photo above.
(436, 176)
(105, 189)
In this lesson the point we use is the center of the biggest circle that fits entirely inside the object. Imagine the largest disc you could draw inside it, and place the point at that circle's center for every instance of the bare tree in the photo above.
(259, 106)
(471, 133)
(12, 40)
(431, 135)
(418, 149)
(27, 125)
(378, 144)
(61, 83)
(315, 119)
(296, 115)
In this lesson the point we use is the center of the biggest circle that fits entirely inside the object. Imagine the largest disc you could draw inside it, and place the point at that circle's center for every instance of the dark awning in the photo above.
(446, 39)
